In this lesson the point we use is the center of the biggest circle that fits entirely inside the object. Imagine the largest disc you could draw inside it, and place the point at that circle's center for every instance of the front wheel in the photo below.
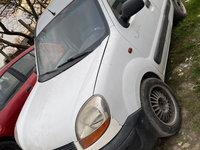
(160, 107)
(179, 10)
(9, 145)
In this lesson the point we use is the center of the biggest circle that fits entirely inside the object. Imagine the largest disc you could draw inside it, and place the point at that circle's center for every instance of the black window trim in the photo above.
(17, 74)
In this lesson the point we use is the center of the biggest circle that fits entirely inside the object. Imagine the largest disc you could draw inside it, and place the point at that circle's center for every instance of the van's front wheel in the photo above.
(179, 10)
(160, 107)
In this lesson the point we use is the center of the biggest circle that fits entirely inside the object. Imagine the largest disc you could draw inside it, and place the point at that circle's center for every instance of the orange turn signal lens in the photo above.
(93, 137)
(130, 50)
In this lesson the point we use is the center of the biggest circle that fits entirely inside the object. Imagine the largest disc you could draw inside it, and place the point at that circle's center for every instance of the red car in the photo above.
(16, 82)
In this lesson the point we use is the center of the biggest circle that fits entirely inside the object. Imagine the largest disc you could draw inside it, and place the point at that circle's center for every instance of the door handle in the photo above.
(28, 89)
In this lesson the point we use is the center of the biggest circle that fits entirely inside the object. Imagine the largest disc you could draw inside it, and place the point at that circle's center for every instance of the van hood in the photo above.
(47, 120)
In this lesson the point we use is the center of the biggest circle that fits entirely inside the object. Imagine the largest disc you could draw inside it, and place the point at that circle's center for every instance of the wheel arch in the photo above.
(150, 75)
(135, 72)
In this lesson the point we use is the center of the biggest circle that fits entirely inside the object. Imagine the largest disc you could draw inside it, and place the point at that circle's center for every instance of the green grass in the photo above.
(185, 44)
(184, 33)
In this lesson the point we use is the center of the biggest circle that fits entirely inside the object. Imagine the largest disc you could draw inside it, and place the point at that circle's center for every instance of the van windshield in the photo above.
(70, 36)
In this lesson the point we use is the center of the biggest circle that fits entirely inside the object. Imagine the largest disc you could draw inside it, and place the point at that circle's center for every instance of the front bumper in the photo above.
(136, 134)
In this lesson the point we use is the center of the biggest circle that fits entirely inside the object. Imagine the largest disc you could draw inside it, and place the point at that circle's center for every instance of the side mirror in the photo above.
(130, 8)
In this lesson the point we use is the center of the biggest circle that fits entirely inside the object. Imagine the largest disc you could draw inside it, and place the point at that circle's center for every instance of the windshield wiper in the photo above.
(48, 75)
(50, 72)
(78, 56)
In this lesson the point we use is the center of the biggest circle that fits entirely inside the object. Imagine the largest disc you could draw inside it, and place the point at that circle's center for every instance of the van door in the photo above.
(143, 26)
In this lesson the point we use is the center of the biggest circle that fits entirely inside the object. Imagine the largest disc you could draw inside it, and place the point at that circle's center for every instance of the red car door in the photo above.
(21, 79)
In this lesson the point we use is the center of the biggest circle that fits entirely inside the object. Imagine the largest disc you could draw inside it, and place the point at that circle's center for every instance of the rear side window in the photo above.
(8, 87)
(116, 6)
(25, 65)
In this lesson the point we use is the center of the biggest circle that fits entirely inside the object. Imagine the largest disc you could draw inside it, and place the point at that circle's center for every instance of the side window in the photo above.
(32, 53)
(8, 86)
(25, 65)
(116, 6)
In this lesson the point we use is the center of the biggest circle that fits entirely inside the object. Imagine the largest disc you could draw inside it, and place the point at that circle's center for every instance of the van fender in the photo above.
(132, 78)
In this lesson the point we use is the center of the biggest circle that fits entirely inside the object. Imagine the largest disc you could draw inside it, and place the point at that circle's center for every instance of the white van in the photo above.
(101, 67)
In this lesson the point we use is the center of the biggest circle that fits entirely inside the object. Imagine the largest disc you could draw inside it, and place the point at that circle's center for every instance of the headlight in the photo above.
(92, 120)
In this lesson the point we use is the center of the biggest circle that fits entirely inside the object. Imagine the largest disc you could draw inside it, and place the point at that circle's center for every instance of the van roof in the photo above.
(55, 7)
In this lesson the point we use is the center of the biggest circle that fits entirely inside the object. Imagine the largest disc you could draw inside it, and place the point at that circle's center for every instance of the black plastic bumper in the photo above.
(136, 134)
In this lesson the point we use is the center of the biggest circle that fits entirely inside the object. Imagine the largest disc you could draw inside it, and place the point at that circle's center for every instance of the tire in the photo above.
(160, 107)
(9, 145)
(179, 10)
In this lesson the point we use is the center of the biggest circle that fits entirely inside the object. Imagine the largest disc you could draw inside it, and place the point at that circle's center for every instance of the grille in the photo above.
(69, 146)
